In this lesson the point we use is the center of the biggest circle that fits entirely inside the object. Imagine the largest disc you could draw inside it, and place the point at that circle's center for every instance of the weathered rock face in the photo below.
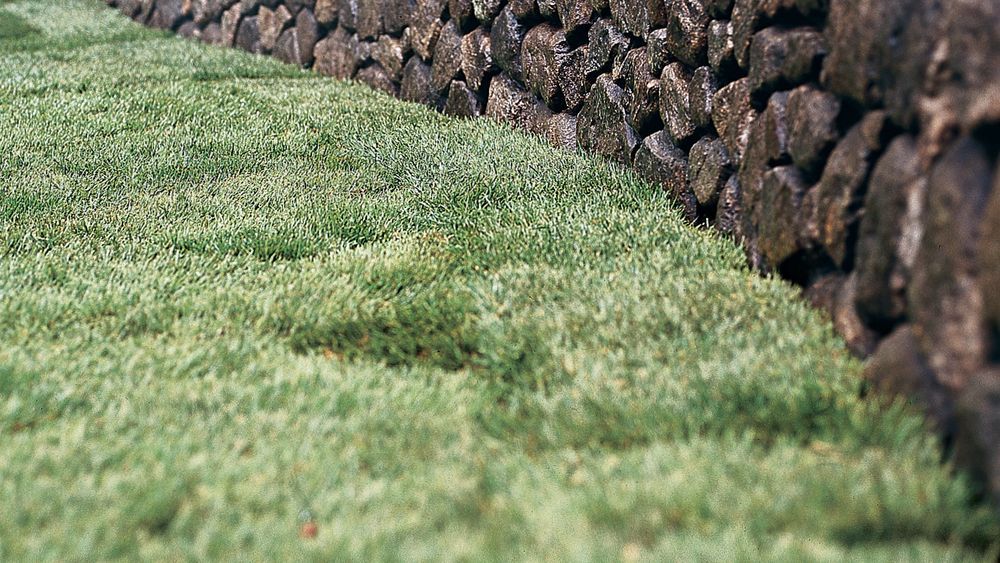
(850, 145)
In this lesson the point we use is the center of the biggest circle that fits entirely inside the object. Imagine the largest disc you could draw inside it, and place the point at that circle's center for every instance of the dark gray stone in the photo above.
(638, 17)
(601, 124)
(416, 85)
(608, 47)
(391, 54)
(778, 208)
(248, 36)
(376, 77)
(832, 209)
(425, 26)
(574, 14)
(510, 103)
(462, 101)
(661, 162)
(506, 37)
(701, 90)
(709, 170)
(812, 119)
(783, 58)
(687, 31)
(720, 47)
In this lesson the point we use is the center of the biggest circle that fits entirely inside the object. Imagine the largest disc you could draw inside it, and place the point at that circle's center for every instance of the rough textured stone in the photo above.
(248, 35)
(544, 54)
(573, 78)
(774, 129)
(899, 369)
(370, 21)
(204, 12)
(510, 103)
(812, 119)
(746, 18)
(486, 10)
(167, 14)
(973, 39)
(732, 115)
(286, 48)
(782, 58)
(416, 85)
(860, 339)
(701, 90)
(376, 77)
(230, 23)
(425, 25)
(560, 130)
(675, 110)
(212, 34)
(326, 12)
(347, 14)
(462, 101)
(718, 8)
(687, 31)
(660, 161)
(463, 13)
(391, 54)
(477, 59)
(607, 47)
(638, 17)
(780, 201)
(710, 169)
(720, 47)
(656, 50)
(523, 10)
(946, 303)
(642, 92)
(890, 234)
(574, 13)
(601, 125)
(396, 15)
(447, 57)
(339, 54)
(833, 208)
(189, 30)
(505, 40)
(867, 40)
(730, 208)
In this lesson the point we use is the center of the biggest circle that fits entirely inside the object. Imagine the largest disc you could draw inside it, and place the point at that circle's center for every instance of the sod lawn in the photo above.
(250, 313)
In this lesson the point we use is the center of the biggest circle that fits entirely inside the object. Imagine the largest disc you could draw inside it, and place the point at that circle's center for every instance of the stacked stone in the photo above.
(850, 145)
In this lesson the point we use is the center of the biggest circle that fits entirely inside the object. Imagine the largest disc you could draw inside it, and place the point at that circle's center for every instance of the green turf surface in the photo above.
(235, 296)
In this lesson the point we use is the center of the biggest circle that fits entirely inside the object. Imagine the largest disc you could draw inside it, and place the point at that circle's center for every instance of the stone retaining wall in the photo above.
(850, 145)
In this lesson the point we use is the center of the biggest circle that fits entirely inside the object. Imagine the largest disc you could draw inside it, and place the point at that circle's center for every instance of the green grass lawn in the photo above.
(235, 296)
